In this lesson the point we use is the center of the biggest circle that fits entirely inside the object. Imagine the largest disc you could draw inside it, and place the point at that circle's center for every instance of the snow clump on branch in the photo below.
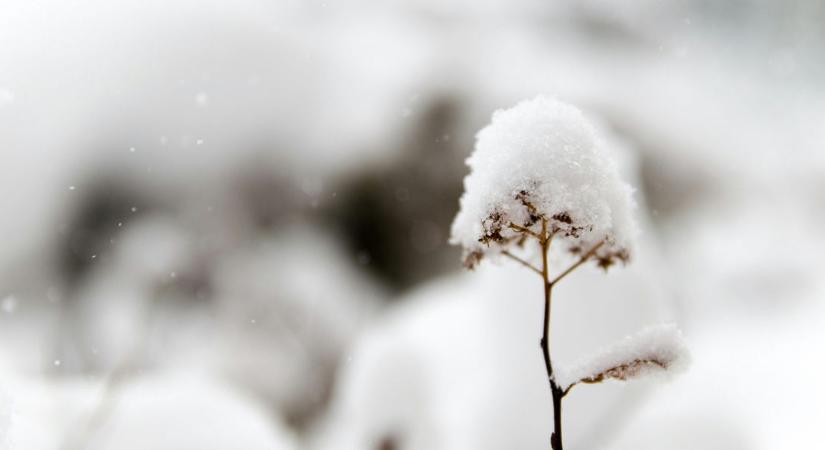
(658, 348)
(543, 161)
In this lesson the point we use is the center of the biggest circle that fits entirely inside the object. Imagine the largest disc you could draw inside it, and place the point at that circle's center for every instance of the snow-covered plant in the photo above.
(655, 349)
(541, 175)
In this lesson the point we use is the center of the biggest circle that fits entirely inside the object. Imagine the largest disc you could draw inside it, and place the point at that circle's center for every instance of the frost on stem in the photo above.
(655, 349)
(542, 160)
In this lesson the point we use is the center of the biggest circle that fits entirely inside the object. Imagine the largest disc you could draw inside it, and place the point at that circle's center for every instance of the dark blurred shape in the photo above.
(94, 226)
(270, 198)
(388, 443)
(398, 219)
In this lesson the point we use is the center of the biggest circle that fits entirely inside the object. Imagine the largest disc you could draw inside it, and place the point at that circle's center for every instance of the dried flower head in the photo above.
(542, 161)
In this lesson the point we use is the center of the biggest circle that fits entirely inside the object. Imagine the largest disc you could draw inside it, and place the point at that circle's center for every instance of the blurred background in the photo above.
(224, 224)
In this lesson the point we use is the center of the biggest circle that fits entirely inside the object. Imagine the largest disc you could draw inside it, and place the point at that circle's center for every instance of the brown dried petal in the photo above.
(626, 370)
(472, 259)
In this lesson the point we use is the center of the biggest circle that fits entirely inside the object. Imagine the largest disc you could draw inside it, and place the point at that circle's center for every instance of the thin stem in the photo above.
(555, 438)
(526, 230)
(556, 391)
(521, 261)
(581, 261)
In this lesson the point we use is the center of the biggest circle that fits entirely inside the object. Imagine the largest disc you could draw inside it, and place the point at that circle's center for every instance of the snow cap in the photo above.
(542, 160)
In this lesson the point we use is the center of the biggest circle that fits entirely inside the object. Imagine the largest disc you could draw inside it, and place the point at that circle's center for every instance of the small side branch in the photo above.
(621, 372)
(521, 261)
(581, 261)
(525, 230)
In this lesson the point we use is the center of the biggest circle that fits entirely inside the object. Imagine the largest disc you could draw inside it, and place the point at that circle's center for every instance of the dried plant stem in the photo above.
(557, 393)
(521, 261)
(545, 239)
(620, 372)
(581, 261)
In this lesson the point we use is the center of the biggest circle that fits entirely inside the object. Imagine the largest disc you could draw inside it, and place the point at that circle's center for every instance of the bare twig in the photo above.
(545, 239)
(555, 438)
(581, 261)
(619, 372)
(521, 261)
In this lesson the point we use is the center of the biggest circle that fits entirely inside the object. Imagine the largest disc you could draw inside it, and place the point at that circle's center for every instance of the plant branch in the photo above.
(555, 438)
(526, 230)
(581, 261)
(521, 261)
(622, 372)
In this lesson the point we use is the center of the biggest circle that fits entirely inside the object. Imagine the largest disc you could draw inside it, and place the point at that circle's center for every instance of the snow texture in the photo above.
(657, 348)
(543, 154)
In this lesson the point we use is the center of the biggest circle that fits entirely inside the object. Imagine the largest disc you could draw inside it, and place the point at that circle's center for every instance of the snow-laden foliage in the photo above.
(658, 348)
(543, 161)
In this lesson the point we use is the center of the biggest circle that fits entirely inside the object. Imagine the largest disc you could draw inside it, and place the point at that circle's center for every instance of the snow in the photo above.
(162, 410)
(115, 303)
(543, 153)
(176, 411)
(724, 105)
(456, 364)
(305, 303)
(9, 304)
(733, 395)
(655, 349)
